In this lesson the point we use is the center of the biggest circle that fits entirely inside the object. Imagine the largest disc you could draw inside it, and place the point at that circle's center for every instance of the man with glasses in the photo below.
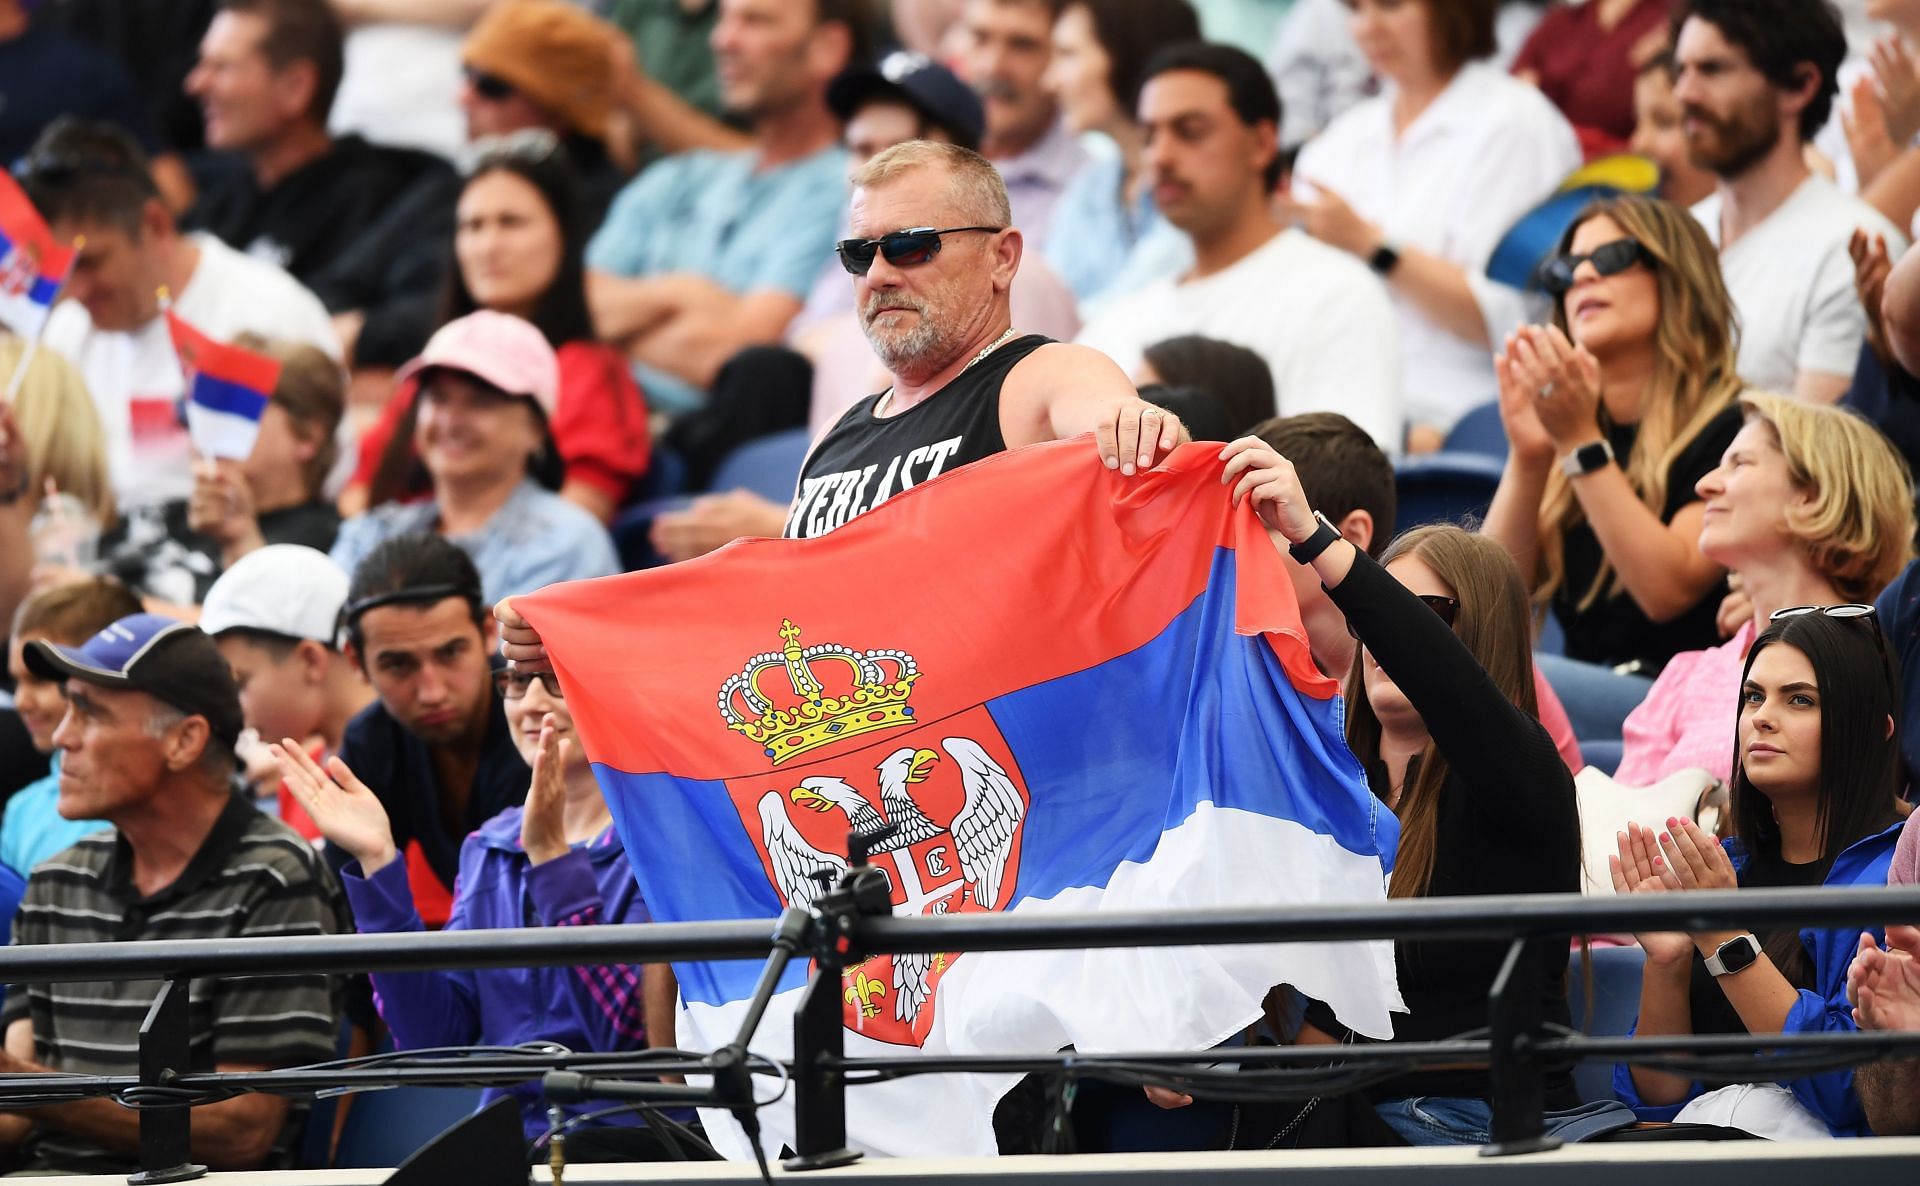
(91, 182)
(436, 748)
(1755, 80)
(275, 616)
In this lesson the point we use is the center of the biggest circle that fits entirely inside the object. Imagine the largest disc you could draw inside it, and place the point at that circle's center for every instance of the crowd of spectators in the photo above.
(534, 272)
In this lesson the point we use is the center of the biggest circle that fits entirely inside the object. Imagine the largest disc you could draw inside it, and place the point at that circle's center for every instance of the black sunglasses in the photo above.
(512, 684)
(1447, 607)
(490, 86)
(903, 249)
(1608, 259)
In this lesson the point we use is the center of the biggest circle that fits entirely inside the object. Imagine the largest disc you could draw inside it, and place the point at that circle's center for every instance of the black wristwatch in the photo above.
(1385, 258)
(1308, 549)
(1594, 455)
(1735, 955)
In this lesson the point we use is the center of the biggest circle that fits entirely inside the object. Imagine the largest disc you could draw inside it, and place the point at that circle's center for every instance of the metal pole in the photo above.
(166, 1133)
(1516, 1078)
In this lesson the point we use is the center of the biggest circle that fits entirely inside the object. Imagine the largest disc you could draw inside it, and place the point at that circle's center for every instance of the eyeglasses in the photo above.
(903, 249)
(512, 685)
(490, 86)
(1447, 607)
(529, 146)
(1850, 610)
(1608, 259)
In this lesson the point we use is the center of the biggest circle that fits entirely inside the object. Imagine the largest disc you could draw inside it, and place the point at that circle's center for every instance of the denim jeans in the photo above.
(1443, 1120)
(1597, 699)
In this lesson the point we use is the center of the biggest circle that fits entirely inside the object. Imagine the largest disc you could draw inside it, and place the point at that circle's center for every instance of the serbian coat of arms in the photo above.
(946, 797)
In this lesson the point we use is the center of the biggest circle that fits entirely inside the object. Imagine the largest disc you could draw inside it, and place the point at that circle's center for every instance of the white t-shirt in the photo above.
(1791, 281)
(1317, 315)
(1483, 153)
(402, 88)
(135, 376)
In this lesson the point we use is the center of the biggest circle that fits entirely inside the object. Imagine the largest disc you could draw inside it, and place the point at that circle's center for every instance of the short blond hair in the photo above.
(1858, 525)
(61, 429)
(977, 185)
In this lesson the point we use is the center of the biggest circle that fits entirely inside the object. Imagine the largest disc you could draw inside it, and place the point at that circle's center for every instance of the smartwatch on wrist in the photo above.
(1735, 955)
(1309, 548)
(1384, 259)
(1587, 458)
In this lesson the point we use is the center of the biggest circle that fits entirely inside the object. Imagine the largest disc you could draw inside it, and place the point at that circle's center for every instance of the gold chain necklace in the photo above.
(998, 342)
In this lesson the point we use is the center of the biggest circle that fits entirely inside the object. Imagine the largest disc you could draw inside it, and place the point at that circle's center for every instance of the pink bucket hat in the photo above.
(499, 349)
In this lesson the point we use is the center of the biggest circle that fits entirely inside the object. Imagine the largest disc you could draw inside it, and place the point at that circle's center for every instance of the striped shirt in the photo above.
(252, 876)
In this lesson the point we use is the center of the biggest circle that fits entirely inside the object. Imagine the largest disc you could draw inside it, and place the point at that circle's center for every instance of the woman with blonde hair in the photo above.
(1441, 711)
(1810, 506)
(1613, 413)
(50, 434)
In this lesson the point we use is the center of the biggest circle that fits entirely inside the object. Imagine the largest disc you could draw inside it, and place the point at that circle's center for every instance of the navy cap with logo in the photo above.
(922, 84)
(175, 663)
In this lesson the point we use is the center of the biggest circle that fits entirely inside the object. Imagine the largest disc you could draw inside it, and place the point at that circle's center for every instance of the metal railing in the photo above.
(851, 922)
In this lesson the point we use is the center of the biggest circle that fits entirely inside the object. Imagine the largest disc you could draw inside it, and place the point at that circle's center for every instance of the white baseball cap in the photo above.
(280, 589)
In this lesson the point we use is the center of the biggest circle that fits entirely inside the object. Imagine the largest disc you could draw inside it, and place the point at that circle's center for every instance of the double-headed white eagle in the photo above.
(982, 837)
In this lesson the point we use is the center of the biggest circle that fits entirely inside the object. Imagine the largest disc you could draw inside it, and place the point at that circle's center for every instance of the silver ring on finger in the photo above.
(1546, 389)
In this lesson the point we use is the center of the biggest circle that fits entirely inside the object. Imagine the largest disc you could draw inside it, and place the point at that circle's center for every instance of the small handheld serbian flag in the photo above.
(32, 266)
(227, 391)
(1064, 689)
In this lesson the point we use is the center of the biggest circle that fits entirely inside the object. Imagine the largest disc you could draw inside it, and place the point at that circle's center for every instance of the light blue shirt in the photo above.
(1102, 247)
(535, 539)
(33, 828)
(716, 214)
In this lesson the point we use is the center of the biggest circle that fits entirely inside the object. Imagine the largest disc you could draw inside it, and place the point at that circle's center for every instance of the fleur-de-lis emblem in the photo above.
(864, 991)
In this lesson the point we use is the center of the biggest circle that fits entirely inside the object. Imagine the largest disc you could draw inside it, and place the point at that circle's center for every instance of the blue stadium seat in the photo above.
(1444, 488)
(768, 466)
(1616, 1002)
(385, 1127)
(1479, 431)
(1603, 756)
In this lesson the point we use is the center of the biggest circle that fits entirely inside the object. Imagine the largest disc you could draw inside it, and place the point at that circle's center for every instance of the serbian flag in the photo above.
(32, 265)
(227, 391)
(1066, 690)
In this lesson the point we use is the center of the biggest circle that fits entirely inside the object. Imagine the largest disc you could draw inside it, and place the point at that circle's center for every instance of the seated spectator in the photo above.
(1238, 376)
(50, 75)
(50, 437)
(1324, 326)
(1107, 238)
(548, 65)
(91, 182)
(1883, 388)
(1883, 985)
(1814, 802)
(1350, 479)
(359, 224)
(275, 616)
(436, 747)
(1005, 47)
(1898, 607)
(33, 828)
(708, 252)
(556, 862)
(1485, 147)
(518, 248)
(1810, 506)
(1585, 57)
(1760, 74)
(1442, 713)
(147, 745)
(489, 387)
(1613, 414)
(171, 553)
(1659, 135)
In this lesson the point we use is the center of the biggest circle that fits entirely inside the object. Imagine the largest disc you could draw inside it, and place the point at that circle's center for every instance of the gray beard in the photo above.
(923, 344)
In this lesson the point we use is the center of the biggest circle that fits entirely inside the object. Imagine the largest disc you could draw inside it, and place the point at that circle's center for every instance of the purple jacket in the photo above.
(583, 1009)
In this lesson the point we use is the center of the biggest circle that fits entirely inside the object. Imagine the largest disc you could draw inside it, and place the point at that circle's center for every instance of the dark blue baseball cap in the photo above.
(175, 663)
(922, 84)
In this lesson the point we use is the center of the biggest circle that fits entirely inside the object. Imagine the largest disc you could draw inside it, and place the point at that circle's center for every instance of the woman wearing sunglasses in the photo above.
(518, 247)
(1613, 414)
(1815, 778)
(1441, 711)
(1810, 506)
(557, 862)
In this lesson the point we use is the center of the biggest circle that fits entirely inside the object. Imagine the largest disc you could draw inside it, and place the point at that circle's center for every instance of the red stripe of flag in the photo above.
(23, 226)
(201, 355)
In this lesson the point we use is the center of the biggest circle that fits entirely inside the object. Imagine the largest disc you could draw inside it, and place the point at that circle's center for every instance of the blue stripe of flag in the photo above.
(220, 395)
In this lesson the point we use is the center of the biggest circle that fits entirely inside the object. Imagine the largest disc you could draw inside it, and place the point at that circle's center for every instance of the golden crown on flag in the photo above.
(872, 701)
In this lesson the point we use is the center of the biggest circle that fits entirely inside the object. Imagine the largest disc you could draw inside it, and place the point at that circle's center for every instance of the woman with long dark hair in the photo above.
(1814, 802)
(519, 244)
(1441, 711)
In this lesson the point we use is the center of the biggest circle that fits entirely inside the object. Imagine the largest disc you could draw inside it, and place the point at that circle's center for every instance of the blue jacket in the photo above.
(1831, 1096)
(583, 1009)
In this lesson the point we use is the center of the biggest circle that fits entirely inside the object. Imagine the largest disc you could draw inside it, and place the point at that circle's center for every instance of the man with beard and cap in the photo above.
(1755, 80)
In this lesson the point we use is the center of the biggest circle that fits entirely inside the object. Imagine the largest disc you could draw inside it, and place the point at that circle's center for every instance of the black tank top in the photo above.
(864, 459)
